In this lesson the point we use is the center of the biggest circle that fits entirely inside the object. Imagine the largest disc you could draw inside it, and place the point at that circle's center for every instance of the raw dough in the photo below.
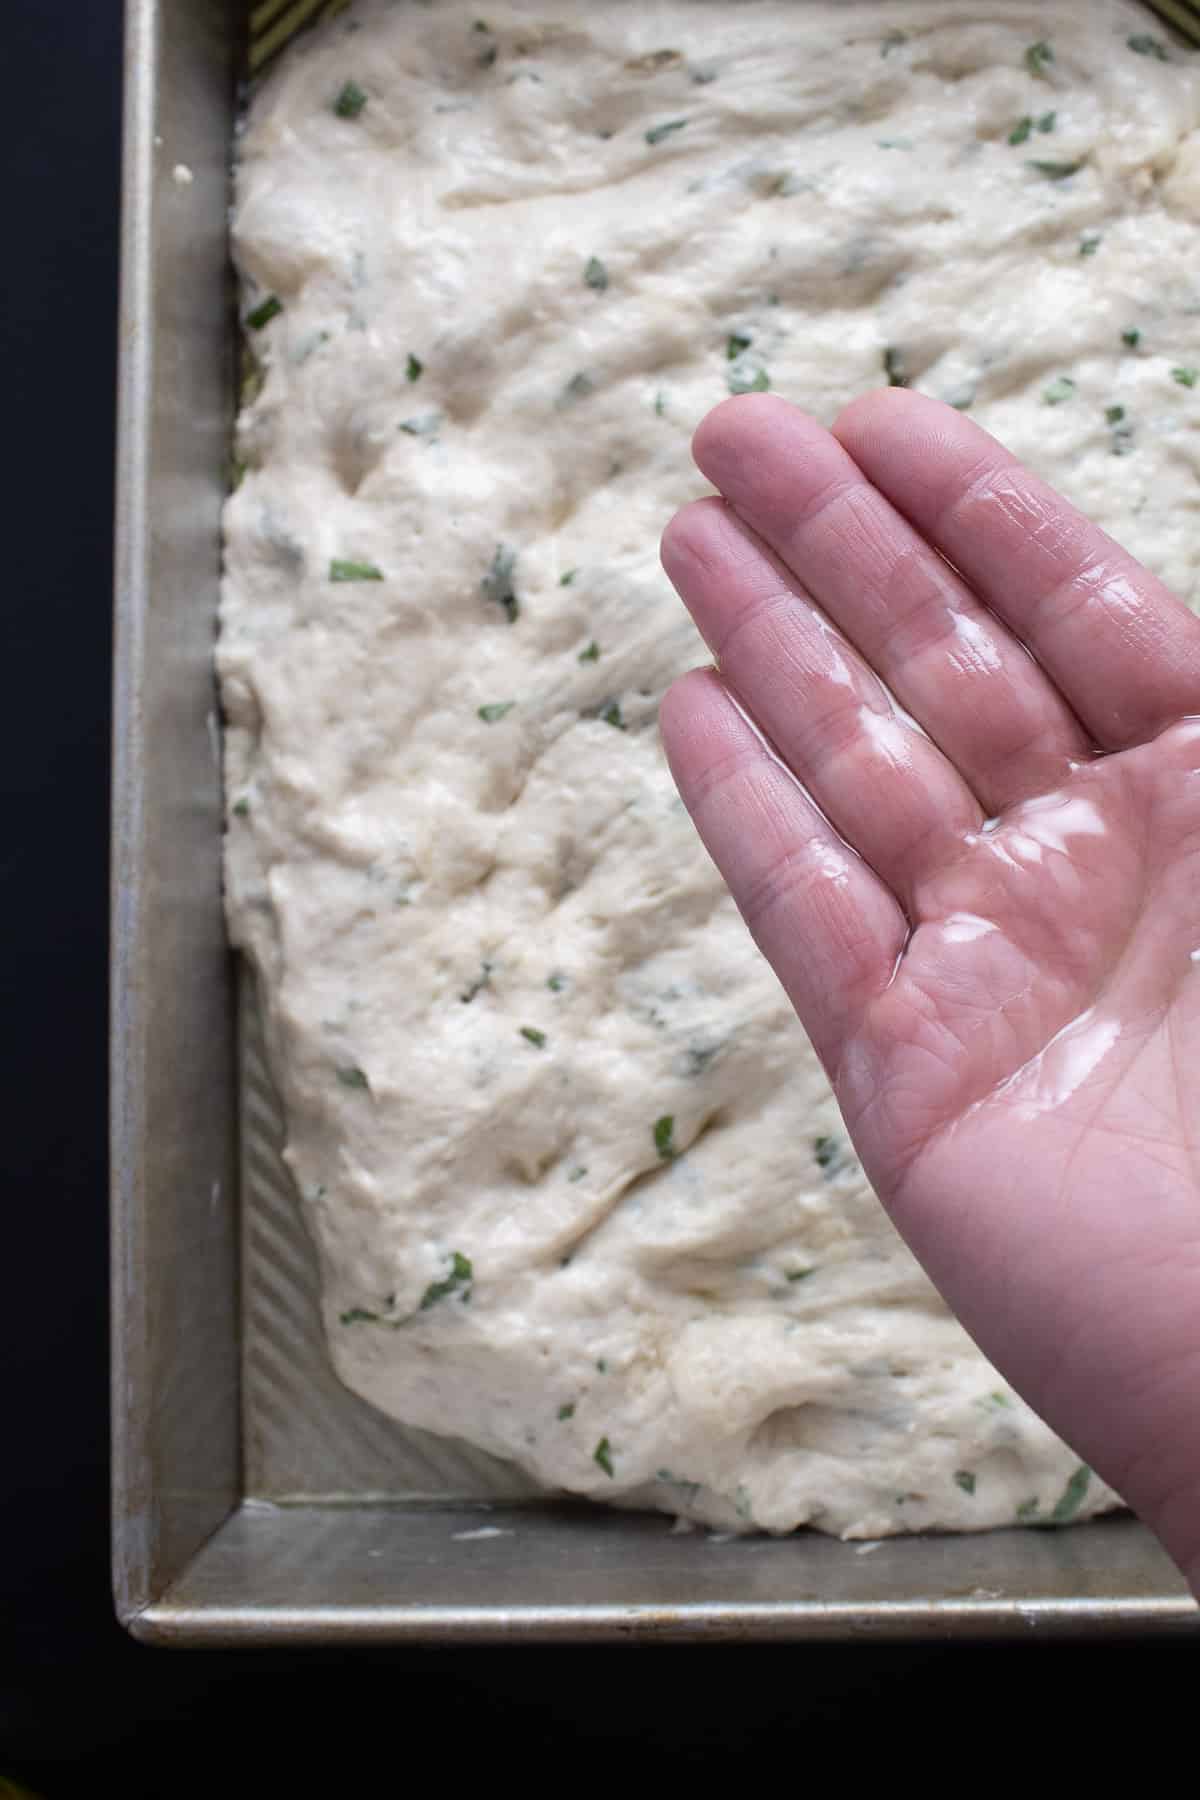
(580, 1191)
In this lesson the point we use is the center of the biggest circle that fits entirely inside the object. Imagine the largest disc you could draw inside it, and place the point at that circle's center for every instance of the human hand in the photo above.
(992, 935)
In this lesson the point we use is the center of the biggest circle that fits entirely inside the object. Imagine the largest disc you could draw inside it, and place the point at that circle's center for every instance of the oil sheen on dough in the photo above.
(580, 1192)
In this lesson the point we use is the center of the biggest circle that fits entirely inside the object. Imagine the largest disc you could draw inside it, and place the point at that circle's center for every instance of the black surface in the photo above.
(79, 1702)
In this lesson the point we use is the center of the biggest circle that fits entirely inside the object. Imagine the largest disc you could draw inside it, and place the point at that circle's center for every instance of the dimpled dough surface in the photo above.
(579, 1189)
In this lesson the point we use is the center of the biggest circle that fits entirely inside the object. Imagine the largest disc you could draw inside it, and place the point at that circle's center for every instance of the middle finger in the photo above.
(955, 667)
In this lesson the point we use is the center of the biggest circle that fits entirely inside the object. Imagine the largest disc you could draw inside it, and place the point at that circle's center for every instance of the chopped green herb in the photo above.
(590, 653)
(351, 1076)
(1114, 414)
(1185, 377)
(250, 376)
(556, 982)
(996, 1398)
(893, 367)
(687, 1489)
(264, 312)
(1028, 1509)
(482, 980)
(595, 274)
(567, 577)
(1090, 243)
(340, 570)
(660, 404)
(487, 57)
(536, 1038)
(422, 425)
(1021, 130)
(358, 1315)
(965, 1480)
(798, 1274)
(611, 714)
(350, 101)
(578, 388)
(602, 1367)
(1047, 121)
(602, 1454)
(460, 1276)
(735, 343)
(1055, 171)
(1071, 1498)
(1038, 58)
(577, 1173)
(498, 584)
(657, 133)
(1142, 44)
(241, 809)
(664, 1137)
(1131, 338)
(1059, 390)
(567, 1411)
(496, 709)
(827, 1152)
(758, 383)
(413, 367)
(892, 41)
(481, 25)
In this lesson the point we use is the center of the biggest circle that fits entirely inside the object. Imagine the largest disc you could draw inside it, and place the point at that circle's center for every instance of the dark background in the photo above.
(79, 1702)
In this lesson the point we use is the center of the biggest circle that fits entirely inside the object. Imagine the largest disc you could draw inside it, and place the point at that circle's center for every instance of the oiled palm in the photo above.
(992, 931)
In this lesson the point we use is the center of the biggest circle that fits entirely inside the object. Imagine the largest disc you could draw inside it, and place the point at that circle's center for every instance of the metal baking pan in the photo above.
(256, 1500)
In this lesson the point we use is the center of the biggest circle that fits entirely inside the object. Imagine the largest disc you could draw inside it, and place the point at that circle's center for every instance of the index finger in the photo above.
(1115, 641)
